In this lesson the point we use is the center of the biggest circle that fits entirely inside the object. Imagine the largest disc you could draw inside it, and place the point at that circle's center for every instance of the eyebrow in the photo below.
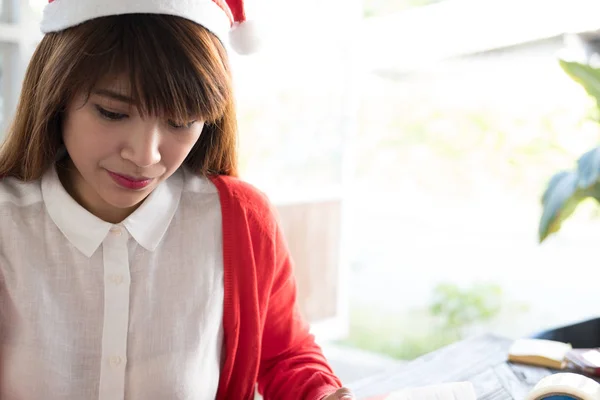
(114, 95)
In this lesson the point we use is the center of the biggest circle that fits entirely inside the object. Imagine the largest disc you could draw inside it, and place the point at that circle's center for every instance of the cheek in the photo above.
(176, 149)
(87, 141)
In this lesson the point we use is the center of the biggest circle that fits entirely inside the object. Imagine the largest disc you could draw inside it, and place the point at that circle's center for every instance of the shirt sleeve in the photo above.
(292, 364)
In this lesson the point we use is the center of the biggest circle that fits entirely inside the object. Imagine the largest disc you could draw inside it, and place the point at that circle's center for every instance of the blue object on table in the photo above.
(561, 397)
(582, 335)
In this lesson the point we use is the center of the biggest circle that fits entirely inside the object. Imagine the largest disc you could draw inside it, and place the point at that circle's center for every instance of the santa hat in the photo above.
(224, 18)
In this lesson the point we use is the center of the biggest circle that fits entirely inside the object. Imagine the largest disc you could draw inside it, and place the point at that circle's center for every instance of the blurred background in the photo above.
(406, 145)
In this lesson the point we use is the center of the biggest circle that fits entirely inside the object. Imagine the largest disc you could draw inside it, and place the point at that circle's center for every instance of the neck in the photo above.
(83, 194)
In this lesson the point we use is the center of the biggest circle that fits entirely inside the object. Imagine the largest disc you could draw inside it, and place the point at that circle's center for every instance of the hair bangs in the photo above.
(170, 68)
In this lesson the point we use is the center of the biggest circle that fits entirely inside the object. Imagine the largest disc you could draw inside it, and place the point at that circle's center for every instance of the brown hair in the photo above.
(176, 68)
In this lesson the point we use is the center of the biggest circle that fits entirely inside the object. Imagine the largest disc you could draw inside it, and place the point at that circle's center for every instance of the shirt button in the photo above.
(116, 279)
(115, 231)
(115, 361)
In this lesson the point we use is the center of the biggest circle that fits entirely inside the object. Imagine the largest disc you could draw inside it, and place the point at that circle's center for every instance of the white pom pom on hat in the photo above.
(244, 37)
(224, 18)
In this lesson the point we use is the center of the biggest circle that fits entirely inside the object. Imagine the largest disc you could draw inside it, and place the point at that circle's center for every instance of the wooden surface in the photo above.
(481, 360)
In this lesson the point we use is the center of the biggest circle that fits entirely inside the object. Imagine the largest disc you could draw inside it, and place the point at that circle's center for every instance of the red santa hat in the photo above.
(224, 18)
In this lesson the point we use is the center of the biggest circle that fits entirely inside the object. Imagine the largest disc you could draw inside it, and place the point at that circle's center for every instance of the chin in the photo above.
(127, 200)
(125, 204)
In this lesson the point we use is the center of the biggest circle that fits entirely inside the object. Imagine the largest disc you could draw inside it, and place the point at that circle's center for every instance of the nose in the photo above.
(143, 147)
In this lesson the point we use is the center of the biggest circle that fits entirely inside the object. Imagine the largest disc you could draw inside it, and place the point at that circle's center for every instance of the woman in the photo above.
(133, 263)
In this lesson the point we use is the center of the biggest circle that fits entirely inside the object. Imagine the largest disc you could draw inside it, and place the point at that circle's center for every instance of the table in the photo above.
(481, 360)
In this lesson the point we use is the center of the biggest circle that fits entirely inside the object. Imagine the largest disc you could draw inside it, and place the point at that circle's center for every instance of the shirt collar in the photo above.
(148, 224)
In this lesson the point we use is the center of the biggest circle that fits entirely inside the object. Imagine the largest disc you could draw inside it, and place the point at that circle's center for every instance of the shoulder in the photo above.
(240, 201)
(20, 206)
(245, 193)
(239, 196)
(196, 184)
(15, 193)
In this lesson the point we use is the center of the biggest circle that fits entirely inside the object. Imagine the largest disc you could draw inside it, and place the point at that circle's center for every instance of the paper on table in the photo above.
(446, 391)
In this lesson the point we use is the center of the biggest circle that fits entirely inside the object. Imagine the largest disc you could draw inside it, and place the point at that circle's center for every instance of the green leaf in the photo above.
(551, 187)
(567, 189)
(588, 169)
(559, 201)
(586, 76)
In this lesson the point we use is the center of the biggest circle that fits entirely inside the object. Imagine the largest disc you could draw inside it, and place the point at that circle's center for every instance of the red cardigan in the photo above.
(265, 338)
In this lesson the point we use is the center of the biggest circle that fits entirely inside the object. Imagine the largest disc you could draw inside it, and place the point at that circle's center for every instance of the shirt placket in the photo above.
(117, 281)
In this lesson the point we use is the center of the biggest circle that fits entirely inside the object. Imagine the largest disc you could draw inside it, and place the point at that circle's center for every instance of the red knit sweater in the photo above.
(265, 338)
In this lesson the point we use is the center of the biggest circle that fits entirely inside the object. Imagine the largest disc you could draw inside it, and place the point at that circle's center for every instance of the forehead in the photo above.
(119, 88)
(154, 94)
(115, 90)
(120, 84)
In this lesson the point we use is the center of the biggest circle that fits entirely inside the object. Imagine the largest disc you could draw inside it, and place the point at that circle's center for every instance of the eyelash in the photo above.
(113, 116)
(187, 125)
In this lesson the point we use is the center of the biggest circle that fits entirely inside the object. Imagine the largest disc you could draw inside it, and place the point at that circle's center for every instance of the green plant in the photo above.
(404, 335)
(567, 189)
(460, 308)
(410, 334)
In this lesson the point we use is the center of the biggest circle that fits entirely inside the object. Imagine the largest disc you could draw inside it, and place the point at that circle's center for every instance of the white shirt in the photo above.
(91, 310)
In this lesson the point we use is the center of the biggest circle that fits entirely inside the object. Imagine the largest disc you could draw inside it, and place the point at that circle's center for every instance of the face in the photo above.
(117, 157)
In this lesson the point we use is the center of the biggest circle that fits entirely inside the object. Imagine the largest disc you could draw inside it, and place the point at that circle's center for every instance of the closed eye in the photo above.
(112, 116)
(186, 125)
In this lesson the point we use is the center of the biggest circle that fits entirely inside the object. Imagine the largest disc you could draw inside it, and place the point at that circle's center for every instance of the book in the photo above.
(445, 391)
(539, 352)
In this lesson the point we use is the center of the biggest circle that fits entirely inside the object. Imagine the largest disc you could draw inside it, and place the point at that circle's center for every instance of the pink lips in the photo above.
(129, 182)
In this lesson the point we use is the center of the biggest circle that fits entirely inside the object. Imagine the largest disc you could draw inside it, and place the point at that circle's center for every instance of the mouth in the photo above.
(130, 182)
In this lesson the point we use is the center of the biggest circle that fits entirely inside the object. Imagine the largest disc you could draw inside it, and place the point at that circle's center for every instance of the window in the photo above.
(297, 116)
(462, 122)
(19, 33)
